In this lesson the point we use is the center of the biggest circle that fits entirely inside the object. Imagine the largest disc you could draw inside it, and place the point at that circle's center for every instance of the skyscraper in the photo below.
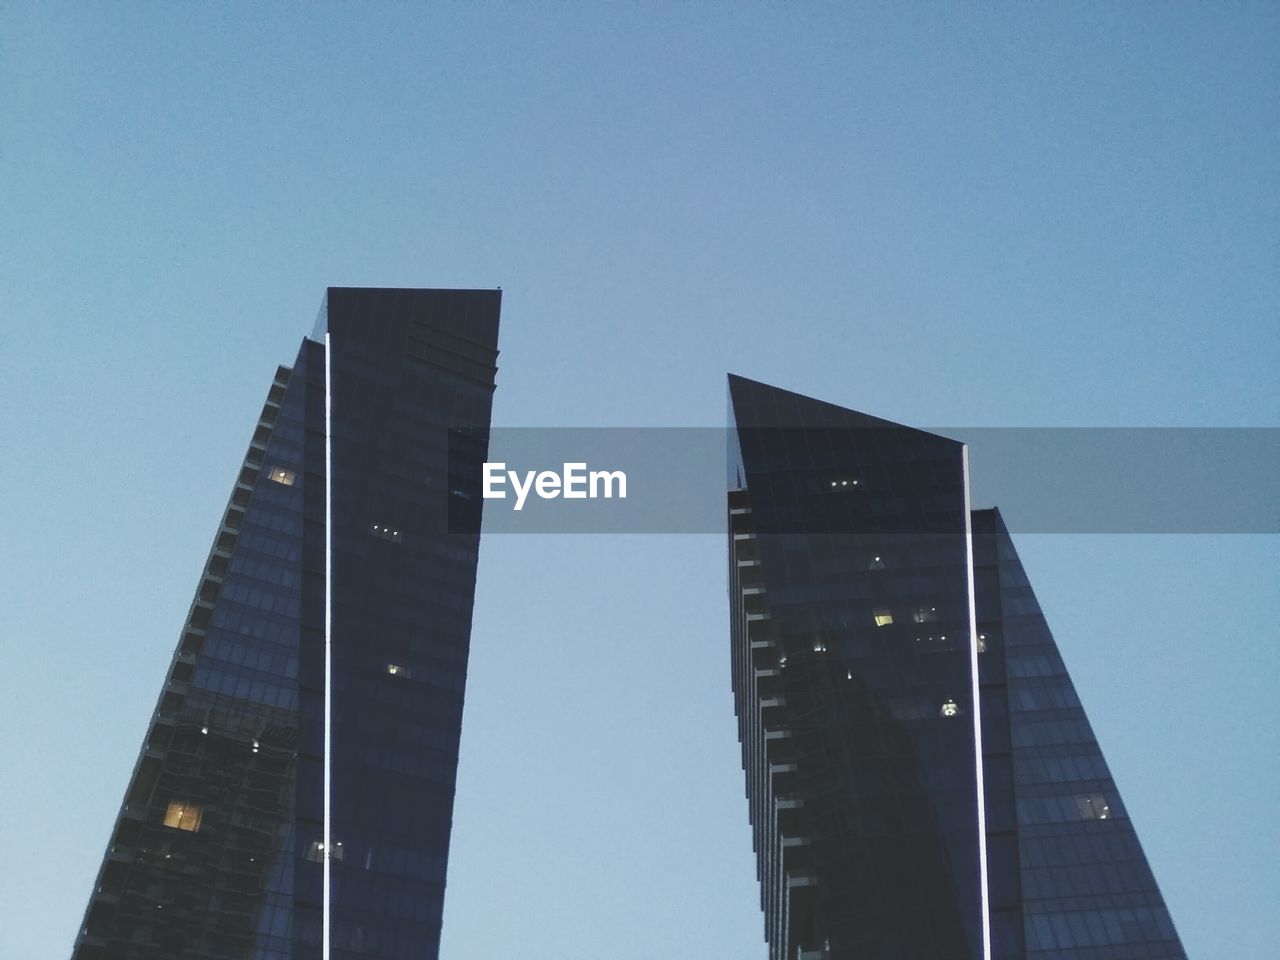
(293, 795)
(922, 781)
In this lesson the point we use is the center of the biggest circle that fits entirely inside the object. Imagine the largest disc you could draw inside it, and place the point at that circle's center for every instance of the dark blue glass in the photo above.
(217, 851)
(1086, 889)
(853, 680)
(853, 642)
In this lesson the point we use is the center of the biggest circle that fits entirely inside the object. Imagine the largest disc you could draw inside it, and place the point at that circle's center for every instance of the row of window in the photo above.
(1092, 806)
(274, 600)
(883, 616)
(1058, 694)
(1098, 880)
(273, 659)
(236, 622)
(1021, 665)
(270, 544)
(265, 571)
(1029, 732)
(1079, 847)
(274, 517)
(1097, 928)
(263, 691)
(1061, 769)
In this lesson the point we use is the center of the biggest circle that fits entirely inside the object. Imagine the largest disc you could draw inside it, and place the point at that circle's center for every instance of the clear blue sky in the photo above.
(1060, 214)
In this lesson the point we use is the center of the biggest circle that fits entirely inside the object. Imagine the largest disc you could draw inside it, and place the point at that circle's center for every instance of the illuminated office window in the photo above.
(183, 816)
(1093, 807)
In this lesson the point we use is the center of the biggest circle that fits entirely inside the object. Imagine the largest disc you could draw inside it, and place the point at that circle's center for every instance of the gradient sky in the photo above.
(1049, 215)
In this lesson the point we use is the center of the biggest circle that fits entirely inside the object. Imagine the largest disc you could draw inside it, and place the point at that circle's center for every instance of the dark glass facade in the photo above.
(921, 779)
(362, 527)
(1068, 875)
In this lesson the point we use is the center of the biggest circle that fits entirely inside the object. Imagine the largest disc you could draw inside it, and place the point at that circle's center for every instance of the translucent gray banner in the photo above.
(1044, 480)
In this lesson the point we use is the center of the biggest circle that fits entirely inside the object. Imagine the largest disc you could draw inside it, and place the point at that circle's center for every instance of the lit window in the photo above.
(949, 709)
(819, 647)
(1093, 807)
(882, 617)
(315, 852)
(399, 670)
(281, 475)
(845, 484)
(183, 816)
(982, 643)
(925, 614)
(385, 531)
(877, 563)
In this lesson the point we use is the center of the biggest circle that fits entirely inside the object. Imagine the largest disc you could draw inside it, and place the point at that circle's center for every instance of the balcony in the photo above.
(777, 745)
(796, 853)
(763, 649)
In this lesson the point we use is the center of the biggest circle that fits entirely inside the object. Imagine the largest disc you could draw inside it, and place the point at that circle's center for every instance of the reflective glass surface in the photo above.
(1068, 875)
(849, 589)
(217, 852)
(410, 375)
(852, 679)
(200, 862)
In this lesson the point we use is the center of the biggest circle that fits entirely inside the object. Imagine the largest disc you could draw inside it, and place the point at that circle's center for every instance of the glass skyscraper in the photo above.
(922, 780)
(293, 796)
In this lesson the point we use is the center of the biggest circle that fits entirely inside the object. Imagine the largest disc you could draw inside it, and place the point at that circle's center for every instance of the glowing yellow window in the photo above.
(883, 617)
(183, 816)
(281, 475)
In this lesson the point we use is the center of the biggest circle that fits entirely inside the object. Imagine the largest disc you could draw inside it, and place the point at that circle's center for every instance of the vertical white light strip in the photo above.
(977, 710)
(326, 861)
